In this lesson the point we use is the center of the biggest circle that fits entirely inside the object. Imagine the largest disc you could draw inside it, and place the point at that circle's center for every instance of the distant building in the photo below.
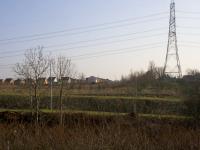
(1, 81)
(53, 80)
(108, 81)
(94, 80)
(66, 80)
(19, 82)
(80, 80)
(8, 81)
(191, 77)
(72, 80)
(29, 81)
(42, 81)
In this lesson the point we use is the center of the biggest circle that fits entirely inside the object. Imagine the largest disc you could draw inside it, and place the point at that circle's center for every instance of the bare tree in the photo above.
(81, 80)
(193, 72)
(23, 70)
(155, 72)
(81, 77)
(34, 66)
(159, 72)
(62, 67)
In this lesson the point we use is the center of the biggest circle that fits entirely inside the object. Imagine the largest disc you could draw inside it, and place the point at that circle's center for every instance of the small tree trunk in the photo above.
(36, 102)
(31, 98)
(37, 110)
(61, 103)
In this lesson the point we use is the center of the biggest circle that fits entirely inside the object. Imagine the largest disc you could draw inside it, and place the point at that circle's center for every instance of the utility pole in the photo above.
(30, 93)
(172, 65)
(136, 94)
(51, 90)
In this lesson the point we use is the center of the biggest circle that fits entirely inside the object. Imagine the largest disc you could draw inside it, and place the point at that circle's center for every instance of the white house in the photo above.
(94, 80)
(54, 81)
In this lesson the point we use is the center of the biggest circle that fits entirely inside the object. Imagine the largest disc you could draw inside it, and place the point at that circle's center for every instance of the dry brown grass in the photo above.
(117, 134)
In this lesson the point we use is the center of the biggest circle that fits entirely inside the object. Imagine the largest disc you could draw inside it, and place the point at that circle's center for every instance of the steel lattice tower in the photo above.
(172, 65)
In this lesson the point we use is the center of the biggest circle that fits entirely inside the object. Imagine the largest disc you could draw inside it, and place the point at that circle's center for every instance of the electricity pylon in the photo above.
(172, 65)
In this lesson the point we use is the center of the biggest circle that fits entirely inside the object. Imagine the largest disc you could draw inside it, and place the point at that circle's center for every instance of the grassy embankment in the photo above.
(93, 100)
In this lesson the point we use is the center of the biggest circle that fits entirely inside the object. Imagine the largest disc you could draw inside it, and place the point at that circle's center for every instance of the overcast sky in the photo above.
(104, 38)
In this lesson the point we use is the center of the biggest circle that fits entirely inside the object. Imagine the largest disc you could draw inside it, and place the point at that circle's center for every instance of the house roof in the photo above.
(8, 79)
(51, 78)
(65, 78)
(42, 79)
(92, 77)
(19, 80)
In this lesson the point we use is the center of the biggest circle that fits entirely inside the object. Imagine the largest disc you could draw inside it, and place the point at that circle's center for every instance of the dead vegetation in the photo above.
(93, 132)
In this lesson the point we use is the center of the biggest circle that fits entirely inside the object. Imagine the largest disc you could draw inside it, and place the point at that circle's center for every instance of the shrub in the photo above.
(191, 97)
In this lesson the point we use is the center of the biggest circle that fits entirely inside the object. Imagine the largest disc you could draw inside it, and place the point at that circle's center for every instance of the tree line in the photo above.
(34, 66)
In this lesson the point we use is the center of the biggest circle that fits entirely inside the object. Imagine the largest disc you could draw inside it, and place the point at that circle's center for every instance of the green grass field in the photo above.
(96, 121)
(95, 113)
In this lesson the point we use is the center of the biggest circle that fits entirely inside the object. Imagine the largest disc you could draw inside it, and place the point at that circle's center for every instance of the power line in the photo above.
(91, 40)
(191, 34)
(75, 33)
(191, 18)
(49, 35)
(95, 55)
(108, 37)
(188, 27)
(188, 45)
(122, 49)
(75, 47)
(84, 27)
(90, 45)
(84, 46)
(114, 50)
(188, 12)
(190, 42)
(124, 52)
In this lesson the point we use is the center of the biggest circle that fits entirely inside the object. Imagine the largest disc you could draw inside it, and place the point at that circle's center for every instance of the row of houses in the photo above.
(42, 81)
(94, 80)
(54, 81)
